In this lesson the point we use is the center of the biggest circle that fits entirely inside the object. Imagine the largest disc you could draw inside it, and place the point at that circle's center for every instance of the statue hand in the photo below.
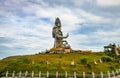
(67, 35)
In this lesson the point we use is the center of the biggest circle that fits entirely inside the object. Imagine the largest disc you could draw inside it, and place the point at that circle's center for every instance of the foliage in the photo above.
(18, 64)
(84, 60)
(112, 54)
(59, 62)
(60, 57)
(112, 68)
(89, 65)
(106, 59)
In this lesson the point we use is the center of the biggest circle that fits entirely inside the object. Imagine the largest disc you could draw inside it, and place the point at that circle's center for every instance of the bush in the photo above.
(112, 68)
(106, 59)
(60, 57)
(18, 64)
(24, 60)
(84, 61)
(89, 65)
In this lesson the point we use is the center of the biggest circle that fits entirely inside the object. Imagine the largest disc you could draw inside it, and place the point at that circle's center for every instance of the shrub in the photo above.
(18, 65)
(84, 60)
(106, 59)
(60, 57)
(89, 65)
(112, 68)
(24, 60)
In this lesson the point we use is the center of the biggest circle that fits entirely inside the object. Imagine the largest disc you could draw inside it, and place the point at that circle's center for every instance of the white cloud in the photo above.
(34, 34)
(108, 3)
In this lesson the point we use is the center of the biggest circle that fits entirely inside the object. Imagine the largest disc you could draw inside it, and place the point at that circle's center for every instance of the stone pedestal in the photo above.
(60, 50)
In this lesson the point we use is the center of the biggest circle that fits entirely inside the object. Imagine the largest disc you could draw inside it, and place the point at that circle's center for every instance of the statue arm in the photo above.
(62, 36)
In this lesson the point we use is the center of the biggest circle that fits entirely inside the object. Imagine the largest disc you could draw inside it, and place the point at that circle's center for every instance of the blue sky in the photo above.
(26, 25)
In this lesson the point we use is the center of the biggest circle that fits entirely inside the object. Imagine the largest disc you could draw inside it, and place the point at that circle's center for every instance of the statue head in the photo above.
(57, 22)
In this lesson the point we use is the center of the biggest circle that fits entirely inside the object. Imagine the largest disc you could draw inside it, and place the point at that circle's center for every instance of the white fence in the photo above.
(108, 74)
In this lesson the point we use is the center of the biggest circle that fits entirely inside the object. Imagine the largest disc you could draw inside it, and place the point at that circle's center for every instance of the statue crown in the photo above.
(57, 22)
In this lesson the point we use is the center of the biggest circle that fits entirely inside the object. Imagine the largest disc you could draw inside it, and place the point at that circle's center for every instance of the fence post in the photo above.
(93, 75)
(65, 74)
(117, 72)
(83, 74)
(108, 73)
(39, 74)
(13, 75)
(47, 74)
(26, 73)
(101, 73)
(20, 74)
(7, 74)
(113, 73)
(75, 75)
(56, 74)
(32, 74)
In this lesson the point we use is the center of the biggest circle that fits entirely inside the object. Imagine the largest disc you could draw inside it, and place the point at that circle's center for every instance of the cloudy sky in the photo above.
(26, 25)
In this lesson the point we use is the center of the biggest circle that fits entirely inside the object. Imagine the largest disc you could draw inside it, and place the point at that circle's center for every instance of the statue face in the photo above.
(59, 24)
(59, 27)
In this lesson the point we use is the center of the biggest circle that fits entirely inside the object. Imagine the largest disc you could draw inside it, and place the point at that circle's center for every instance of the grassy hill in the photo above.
(83, 62)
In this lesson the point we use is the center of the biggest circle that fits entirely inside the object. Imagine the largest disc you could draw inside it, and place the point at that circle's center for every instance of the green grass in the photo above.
(58, 62)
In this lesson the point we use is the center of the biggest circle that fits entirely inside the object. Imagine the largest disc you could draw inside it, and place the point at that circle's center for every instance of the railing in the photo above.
(112, 74)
